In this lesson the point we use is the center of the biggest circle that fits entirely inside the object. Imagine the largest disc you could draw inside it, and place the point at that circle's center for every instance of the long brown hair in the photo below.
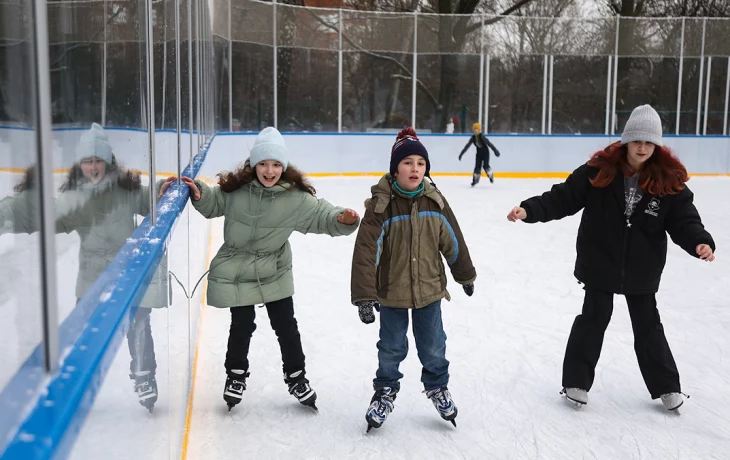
(28, 180)
(125, 178)
(662, 174)
(232, 181)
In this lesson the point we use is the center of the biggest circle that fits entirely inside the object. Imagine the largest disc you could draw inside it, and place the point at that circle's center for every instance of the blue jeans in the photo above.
(428, 331)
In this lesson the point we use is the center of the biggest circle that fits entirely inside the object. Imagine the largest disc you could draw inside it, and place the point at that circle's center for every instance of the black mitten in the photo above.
(365, 310)
(468, 289)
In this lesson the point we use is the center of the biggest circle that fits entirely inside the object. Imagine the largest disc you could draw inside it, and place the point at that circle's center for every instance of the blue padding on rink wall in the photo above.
(55, 414)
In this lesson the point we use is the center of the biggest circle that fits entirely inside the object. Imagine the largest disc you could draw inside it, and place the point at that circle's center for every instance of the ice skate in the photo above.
(575, 397)
(235, 386)
(672, 401)
(441, 399)
(299, 388)
(145, 385)
(381, 405)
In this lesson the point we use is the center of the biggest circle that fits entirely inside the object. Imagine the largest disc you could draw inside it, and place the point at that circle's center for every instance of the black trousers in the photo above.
(481, 162)
(281, 316)
(141, 345)
(650, 344)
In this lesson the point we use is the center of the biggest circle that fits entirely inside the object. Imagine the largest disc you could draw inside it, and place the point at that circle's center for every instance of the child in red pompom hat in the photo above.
(397, 268)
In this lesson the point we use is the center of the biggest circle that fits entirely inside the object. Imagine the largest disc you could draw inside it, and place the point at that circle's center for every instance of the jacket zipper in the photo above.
(623, 252)
(413, 282)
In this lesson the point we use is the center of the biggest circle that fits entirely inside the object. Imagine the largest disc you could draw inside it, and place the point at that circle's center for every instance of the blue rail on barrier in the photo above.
(44, 424)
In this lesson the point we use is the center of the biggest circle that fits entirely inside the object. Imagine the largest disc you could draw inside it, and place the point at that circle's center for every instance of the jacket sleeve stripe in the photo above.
(382, 234)
(454, 240)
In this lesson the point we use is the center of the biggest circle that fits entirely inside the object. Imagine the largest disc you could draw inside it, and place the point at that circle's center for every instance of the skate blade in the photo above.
(675, 410)
(574, 404)
(454, 422)
(230, 406)
(313, 406)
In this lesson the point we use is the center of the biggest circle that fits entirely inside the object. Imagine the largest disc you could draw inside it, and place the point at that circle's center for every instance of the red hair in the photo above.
(662, 174)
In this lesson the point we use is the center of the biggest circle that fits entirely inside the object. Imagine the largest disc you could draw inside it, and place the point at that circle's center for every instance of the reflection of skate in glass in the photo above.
(143, 366)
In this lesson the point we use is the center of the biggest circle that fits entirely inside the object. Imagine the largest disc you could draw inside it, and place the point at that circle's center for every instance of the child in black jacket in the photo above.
(483, 145)
(632, 194)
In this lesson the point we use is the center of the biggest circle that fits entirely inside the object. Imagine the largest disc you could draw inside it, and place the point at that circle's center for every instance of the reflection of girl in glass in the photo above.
(99, 200)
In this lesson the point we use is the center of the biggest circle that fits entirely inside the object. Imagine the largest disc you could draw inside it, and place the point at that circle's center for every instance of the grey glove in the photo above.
(365, 310)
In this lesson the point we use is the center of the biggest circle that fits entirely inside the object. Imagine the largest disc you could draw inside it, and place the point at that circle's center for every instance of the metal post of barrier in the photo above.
(415, 69)
(702, 69)
(46, 209)
(151, 110)
(707, 94)
(550, 96)
(485, 126)
(190, 76)
(727, 99)
(615, 77)
(230, 67)
(276, 77)
(103, 70)
(544, 90)
(339, 76)
(178, 86)
(608, 95)
(481, 68)
(679, 82)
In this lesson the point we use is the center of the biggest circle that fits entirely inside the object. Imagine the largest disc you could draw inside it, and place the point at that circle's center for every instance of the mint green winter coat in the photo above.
(103, 215)
(254, 265)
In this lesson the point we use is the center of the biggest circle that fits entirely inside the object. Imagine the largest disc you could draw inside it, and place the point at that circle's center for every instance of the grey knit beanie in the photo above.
(644, 125)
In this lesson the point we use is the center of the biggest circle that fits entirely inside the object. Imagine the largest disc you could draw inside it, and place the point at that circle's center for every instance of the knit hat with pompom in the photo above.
(407, 144)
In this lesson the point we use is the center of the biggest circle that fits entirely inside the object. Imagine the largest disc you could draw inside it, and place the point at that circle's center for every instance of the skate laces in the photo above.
(440, 395)
(299, 388)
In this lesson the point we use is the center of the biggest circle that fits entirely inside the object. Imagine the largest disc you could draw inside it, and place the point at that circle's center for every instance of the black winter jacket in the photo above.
(482, 151)
(615, 254)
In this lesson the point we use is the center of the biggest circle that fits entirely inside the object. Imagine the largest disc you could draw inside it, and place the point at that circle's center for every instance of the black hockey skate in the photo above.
(145, 385)
(299, 388)
(381, 405)
(235, 385)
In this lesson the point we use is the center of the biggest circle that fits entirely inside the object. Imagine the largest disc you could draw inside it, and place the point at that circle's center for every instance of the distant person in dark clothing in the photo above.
(483, 145)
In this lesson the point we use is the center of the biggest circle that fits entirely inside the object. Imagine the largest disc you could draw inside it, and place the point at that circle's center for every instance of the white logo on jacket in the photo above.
(653, 207)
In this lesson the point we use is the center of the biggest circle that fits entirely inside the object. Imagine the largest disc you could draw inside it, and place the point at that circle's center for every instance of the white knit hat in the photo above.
(269, 145)
(644, 125)
(94, 143)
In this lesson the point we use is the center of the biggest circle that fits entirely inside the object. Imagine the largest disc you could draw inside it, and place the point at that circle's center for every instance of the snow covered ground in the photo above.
(505, 345)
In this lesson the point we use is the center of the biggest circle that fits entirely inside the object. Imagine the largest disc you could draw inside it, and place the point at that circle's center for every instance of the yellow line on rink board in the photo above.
(189, 412)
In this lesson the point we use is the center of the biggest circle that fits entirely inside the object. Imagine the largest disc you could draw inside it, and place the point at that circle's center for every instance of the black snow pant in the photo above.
(281, 316)
(650, 344)
(482, 162)
(141, 345)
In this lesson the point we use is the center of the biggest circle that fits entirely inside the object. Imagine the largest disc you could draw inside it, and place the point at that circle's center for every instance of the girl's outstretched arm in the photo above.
(562, 200)
(320, 216)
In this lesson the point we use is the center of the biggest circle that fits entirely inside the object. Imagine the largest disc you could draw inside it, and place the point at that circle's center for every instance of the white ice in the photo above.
(505, 345)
